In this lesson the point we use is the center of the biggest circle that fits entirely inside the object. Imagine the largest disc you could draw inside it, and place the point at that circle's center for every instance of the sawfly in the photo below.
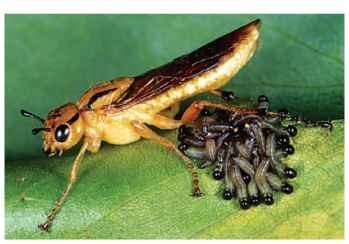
(118, 111)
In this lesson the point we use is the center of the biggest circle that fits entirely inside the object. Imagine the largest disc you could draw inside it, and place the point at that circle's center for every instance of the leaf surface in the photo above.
(127, 193)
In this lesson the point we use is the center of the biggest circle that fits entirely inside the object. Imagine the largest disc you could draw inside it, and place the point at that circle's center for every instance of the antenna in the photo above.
(31, 115)
(37, 130)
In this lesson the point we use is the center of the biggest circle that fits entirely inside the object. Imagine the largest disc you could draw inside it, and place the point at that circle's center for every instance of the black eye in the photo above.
(62, 133)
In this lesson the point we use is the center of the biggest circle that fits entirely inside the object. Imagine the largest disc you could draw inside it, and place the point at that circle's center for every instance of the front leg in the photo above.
(73, 174)
(147, 133)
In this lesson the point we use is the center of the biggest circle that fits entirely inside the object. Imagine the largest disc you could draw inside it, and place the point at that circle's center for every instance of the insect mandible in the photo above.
(129, 104)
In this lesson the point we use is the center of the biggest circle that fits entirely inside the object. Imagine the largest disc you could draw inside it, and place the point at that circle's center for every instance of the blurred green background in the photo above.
(52, 59)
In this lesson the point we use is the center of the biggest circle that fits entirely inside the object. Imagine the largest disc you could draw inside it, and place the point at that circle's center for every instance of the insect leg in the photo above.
(147, 133)
(225, 95)
(193, 111)
(172, 111)
(164, 122)
(73, 173)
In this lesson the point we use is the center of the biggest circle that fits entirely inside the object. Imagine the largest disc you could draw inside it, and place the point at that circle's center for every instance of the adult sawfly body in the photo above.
(118, 111)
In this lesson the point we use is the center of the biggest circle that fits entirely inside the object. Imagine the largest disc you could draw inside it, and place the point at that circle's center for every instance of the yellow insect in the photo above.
(118, 111)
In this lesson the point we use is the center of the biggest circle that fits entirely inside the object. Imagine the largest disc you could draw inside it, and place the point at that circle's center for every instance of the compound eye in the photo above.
(62, 133)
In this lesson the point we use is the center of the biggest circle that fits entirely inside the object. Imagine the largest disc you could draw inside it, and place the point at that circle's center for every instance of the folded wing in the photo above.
(184, 68)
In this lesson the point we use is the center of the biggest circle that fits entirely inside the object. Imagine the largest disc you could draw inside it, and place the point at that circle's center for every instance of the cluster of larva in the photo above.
(245, 151)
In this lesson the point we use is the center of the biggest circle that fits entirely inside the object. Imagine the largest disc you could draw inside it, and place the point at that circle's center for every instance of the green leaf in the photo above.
(126, 192)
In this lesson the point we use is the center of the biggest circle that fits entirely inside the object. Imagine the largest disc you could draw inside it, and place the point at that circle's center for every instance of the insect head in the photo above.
(63, 128)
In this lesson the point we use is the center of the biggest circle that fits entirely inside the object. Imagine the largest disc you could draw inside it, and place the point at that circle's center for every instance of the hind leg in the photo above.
(193, 111)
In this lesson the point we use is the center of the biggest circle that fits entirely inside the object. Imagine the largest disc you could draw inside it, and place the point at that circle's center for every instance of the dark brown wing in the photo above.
(182, 69)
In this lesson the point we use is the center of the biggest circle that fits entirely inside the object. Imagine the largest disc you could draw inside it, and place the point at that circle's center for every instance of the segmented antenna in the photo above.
(37, 130)
(31, 115)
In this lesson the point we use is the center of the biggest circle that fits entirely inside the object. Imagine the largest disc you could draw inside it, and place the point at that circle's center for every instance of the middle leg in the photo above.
(225, 95)
(147, 133)
(164, 122)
